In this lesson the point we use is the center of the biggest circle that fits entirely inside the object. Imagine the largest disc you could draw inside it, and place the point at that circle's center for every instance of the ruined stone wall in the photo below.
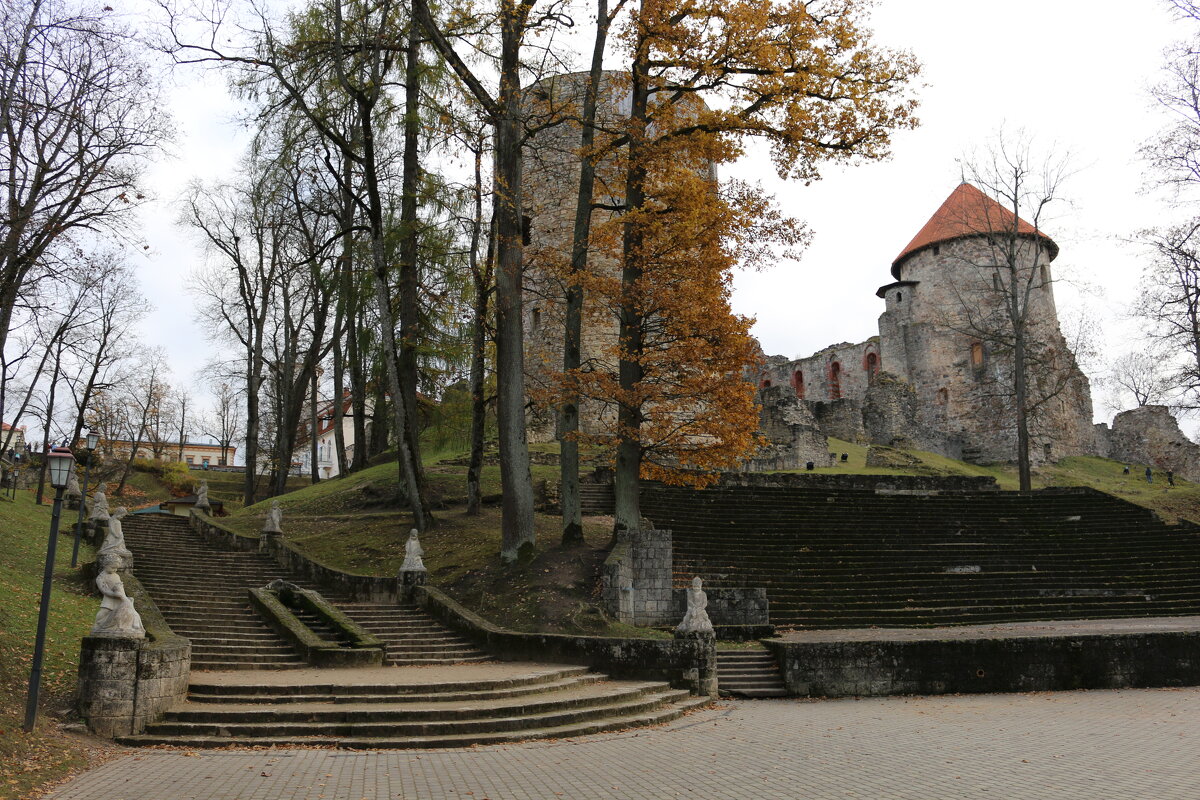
(1150, 436)
(839, 371)
(792, 434)
(840, 419)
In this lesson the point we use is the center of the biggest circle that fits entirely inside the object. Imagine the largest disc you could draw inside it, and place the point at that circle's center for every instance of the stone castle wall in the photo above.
(1150, 436)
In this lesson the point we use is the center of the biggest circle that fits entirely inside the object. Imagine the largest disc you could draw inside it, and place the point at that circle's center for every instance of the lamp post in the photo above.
(93, 439)
(61, 462)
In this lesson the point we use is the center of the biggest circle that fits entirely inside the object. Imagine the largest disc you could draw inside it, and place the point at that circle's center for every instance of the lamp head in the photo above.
(61, 462)
(93, 440)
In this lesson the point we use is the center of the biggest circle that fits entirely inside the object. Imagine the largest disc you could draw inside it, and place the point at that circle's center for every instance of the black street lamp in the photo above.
(93, 439)
(61, 462)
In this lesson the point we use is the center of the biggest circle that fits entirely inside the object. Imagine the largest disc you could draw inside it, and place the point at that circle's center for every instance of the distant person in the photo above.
(1170, 477)
(1126, 470)
(1149, 475)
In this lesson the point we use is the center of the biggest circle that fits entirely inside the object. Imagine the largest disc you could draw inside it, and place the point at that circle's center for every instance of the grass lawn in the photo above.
(28, 761)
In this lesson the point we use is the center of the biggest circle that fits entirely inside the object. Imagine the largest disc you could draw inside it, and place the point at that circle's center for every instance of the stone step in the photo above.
(386, 693)
(375, 723)
(616, 723)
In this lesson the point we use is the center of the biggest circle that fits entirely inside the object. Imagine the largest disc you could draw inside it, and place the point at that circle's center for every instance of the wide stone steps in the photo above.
(749, 673)
(843, 558)
(393, 712)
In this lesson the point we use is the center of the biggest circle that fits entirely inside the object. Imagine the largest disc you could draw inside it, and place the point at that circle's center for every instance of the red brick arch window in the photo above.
(835, 380)
(798, 383)
(871, 363)
(976, 354)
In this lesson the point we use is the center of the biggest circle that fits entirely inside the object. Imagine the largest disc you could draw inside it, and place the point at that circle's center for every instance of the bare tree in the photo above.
(223, 422)
(1141, 375)
(1004, 287)
(145, 399)
(79, 113)
(1169, 303)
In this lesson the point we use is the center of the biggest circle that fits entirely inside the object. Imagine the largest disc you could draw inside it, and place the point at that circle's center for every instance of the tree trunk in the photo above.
(629, 369)
(314, 450)
(409, 282)
(517, 532)
(482, 275)
(568, 420)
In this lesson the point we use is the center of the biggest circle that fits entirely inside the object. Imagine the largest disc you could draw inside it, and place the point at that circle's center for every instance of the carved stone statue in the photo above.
(274, 519)
(114, 540)
(202, 503)
(117, 616)
(696, 621)
(100, 504)
(412, 554)
(73, 490)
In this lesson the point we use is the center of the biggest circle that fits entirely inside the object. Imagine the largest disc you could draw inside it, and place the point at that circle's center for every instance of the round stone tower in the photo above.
(947, 331)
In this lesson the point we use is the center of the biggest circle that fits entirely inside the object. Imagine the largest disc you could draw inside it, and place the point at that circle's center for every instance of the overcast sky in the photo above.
(1074, 74)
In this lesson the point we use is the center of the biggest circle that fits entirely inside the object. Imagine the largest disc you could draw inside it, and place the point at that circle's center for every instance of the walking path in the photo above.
(1132, 744)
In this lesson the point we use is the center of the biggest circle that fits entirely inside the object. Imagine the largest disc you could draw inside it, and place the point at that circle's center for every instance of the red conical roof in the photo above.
(967, 212)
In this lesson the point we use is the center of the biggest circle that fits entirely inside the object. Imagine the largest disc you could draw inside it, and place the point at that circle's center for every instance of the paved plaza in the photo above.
(1132, 743)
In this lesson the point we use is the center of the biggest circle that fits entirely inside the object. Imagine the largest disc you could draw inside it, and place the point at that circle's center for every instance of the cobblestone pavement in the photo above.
(1099, 745)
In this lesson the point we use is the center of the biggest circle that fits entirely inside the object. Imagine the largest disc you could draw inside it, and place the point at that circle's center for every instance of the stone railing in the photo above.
(125, 684)
(689, 663)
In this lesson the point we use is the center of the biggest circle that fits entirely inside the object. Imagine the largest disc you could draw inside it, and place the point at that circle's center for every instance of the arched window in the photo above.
(996, 281)
(798, 383)
(1045, 275)
(535, 320)
(835, 381)
(976, 354)
(943, 397)
(871, 364)
(899, 296)
(765, 383)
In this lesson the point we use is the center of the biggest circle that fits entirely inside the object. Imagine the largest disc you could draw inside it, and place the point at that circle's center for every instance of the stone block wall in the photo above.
(125, 684)
(730, 607)
(636, 579)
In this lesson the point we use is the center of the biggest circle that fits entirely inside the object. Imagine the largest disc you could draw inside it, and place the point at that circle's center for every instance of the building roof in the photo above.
(967, 212)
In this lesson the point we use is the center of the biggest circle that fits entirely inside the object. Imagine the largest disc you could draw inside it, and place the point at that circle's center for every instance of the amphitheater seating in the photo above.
(839, 558)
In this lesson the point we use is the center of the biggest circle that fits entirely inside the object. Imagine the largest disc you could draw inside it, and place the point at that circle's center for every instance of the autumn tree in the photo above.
(804, 77)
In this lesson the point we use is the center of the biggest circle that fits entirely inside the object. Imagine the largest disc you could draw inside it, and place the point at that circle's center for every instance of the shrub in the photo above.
(176, 476)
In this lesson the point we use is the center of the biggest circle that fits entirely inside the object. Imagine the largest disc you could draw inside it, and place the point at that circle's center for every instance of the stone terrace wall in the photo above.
(808, 480)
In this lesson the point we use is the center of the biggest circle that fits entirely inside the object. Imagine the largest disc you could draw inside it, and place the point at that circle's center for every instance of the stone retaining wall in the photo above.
(125, 684)
(958, 483)
(685, 663)
(1001, 664)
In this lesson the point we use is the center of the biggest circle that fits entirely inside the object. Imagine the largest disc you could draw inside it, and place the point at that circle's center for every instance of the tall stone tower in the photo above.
(551, 187)
(947, 332)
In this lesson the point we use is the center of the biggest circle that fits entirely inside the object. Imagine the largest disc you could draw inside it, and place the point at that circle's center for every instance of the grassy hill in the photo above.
(28, 761)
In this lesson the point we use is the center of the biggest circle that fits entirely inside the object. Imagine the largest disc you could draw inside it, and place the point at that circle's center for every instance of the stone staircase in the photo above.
(838, 558)
(412, 638)
(202, 593)
(486, 704)
(249, 689)
(751, 672)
